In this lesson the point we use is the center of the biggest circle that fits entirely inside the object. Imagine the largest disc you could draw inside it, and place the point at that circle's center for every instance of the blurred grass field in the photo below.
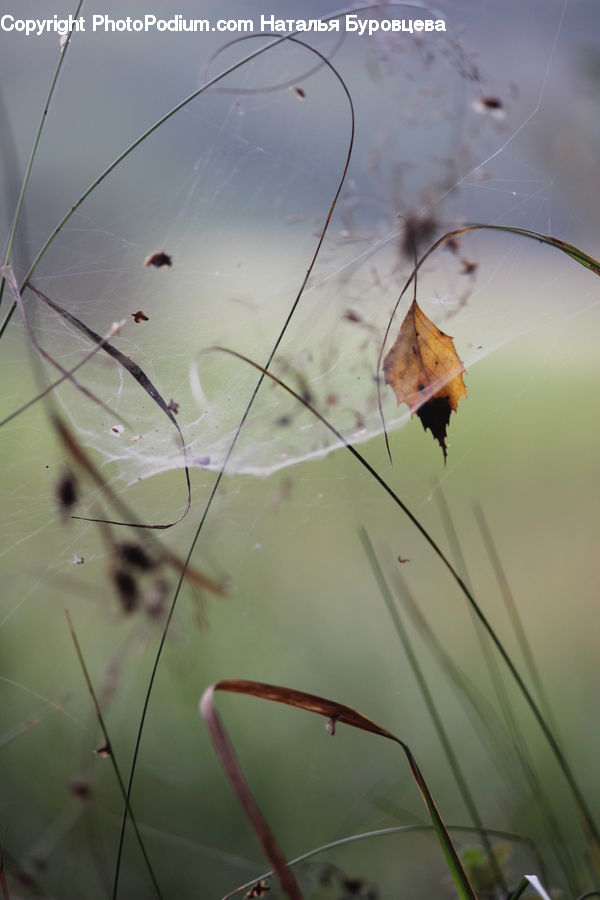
(237, 188)
(304, 611)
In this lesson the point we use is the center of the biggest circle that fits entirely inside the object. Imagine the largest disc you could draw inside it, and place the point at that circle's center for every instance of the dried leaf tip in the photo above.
(160, 260)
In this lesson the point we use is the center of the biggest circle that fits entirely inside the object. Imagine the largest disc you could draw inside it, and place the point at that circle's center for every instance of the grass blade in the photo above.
(513, 612)
(3, 883)
(83, 461)
(144, 382)
(9, 278)
(383, 832)
(28, 170)
(461, 781)
(238, 431)
(561, 846)
(529, 881)
(110, 751)
(334, 712)
(585, 813)
(573, 252)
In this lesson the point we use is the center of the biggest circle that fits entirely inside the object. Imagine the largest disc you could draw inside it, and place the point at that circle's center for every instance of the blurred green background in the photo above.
(236, 187)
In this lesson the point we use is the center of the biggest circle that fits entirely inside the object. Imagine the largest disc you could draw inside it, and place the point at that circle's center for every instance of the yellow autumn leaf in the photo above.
(425, 372)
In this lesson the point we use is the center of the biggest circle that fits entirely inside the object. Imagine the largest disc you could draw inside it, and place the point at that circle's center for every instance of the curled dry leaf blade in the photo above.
(79, 456)
(333, 711)
(425, 372)
(142, 379)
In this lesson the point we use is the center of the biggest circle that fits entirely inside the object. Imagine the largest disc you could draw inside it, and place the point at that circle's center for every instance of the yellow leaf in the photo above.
(425, 372)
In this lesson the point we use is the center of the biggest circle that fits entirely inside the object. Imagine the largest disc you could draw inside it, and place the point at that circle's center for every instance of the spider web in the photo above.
(236, 189)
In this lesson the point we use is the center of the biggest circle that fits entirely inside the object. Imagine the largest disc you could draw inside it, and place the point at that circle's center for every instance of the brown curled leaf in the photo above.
(79, 456)
(144, 382)
(330, 710)
(425, 372)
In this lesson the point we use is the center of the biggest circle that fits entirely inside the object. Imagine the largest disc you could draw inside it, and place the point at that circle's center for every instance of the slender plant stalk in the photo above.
(263, 372)
(461, 781)
(28, 170)
(397, 829)
(573, 252)
(110, 751)
(335, 713)
(560, 845)
(513, 612)
(577, 255)
(581, 802)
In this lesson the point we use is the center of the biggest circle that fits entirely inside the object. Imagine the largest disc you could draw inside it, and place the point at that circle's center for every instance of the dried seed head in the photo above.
(134, 555)
(419, 230)
(127, 589)
(160, 260)
(490, 105)
(66, 492)
(79, 786)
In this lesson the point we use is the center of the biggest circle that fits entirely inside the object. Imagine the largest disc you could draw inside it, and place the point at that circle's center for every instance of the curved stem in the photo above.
(584, 810)
(28, 170)
(215, 487)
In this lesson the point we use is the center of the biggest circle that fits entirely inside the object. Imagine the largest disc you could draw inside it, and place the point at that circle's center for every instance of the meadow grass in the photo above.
(474, 873)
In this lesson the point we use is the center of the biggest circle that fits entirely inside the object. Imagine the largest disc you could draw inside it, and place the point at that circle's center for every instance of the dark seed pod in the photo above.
(66, 492)
(127, 589)
(134, 555)
(160, 260)
(79, 786)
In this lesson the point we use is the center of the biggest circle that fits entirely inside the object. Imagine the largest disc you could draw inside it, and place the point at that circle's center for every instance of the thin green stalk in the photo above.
(563, 764)
(111, 754)
(29, 168)
(127, 152)
(526, 882)
(560, 844)
(513, 612)
(453, 762)
(141, 139)
(263, 373)
(573, 252)
(397, 829)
